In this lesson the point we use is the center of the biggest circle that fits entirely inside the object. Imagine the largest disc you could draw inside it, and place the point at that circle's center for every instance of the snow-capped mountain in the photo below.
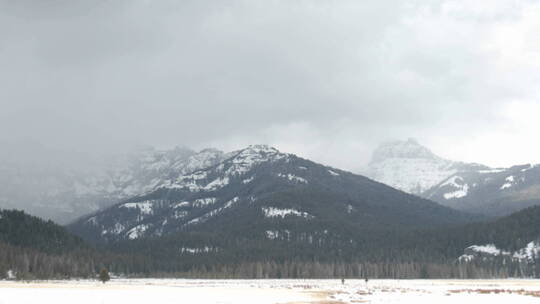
(61, 194)
(493, 192)
(260, 192)
(469, 187)
(411, 167)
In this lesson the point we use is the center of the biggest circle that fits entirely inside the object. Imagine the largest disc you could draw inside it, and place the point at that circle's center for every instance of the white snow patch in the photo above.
(456, 182)
(509, 182)
(196, 250)
(181, 204)
(333, 173)
(276, 212)
(137, 231)
(275, 234)
(212, 213)
(458, 193)
(293, 178)
(116, 229)
(489, 249)
(202, 202)
(530, 252)
(248, 180)
(10, 275)
(272, 234)
(496, 170)
(144, 207)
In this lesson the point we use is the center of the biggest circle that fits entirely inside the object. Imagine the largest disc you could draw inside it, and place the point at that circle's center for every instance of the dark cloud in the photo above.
(326, 79)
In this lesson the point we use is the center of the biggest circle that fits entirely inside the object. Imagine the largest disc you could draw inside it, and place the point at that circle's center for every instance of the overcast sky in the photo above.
(328, 80)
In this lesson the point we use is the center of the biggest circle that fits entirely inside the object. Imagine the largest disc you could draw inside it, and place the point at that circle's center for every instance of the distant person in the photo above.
(342, 281)
(366, 279)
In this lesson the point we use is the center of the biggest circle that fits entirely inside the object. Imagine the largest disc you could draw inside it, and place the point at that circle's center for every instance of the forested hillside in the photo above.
(34, 248)
(377, 253)
(390, 253)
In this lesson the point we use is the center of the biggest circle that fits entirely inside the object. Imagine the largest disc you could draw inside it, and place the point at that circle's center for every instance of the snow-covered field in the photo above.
(165, 291)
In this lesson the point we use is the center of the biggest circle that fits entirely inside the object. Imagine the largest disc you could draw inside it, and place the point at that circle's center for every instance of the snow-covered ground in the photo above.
(165, 291)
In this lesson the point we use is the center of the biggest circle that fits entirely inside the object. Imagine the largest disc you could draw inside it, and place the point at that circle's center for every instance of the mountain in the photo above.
(467, 187)
(261, 193)
(63, 193)
(494, 192)
(413, 168)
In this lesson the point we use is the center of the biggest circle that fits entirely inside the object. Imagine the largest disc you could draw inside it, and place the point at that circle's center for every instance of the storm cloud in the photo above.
(327, 80)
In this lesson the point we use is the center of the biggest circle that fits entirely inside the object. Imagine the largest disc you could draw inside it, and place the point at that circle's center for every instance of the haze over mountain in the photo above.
(469, 187)
(63, 193)
(413, 168)
(249, 192)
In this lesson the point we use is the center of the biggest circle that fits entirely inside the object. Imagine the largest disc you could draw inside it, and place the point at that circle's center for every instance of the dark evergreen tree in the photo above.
(104, 275)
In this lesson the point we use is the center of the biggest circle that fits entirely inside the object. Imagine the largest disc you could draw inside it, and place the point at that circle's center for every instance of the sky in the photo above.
(327, 80)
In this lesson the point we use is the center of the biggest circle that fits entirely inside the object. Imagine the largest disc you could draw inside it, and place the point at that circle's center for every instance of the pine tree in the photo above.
(104, 275)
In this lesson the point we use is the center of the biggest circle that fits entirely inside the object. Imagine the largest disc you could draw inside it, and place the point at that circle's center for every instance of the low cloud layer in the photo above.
(328, 80)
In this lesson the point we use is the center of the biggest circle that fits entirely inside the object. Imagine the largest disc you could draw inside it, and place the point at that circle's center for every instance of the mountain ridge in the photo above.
(495, 192)
(250, 182)
(63, 195)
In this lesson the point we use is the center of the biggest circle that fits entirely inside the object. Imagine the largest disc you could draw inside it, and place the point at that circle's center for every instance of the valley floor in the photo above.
(165, 291)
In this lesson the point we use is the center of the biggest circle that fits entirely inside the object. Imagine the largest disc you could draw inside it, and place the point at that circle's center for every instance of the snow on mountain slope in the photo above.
(528, 254)
(411, 167)
(494, 192)
(205, 194)
(257, 187)
(63, 194)
(408, 166)
(241, 162)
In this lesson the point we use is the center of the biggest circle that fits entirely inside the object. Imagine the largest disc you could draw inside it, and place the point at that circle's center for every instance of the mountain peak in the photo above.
(411, 167)
(255, 154)
(409, 149)
(261, 148)
(259, 152)
(210, 151)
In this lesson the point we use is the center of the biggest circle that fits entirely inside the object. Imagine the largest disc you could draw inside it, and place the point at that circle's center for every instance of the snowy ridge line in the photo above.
(235, 166)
